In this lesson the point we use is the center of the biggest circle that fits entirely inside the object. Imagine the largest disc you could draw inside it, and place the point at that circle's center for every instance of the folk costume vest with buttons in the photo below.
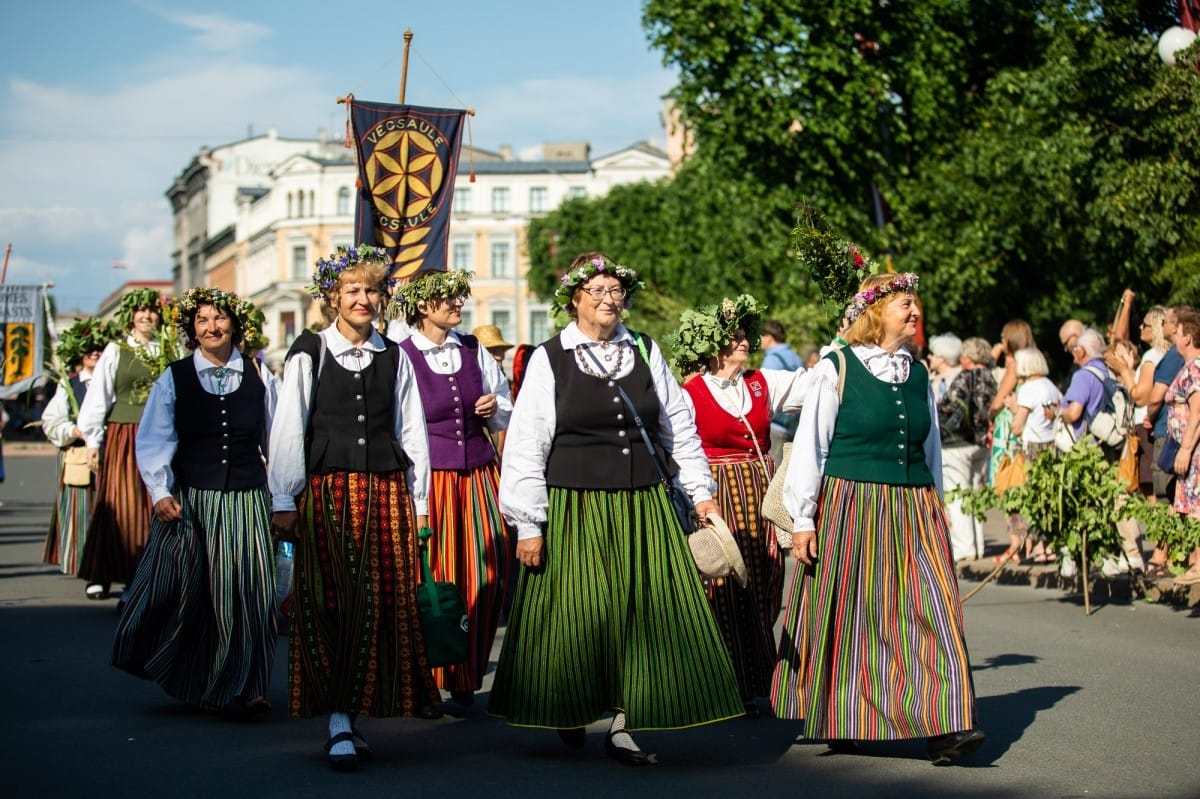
(457, 437)
(350, 419)
(881, 428)
(127, 407)
(219, 435)
(596, 445)
(722, 434)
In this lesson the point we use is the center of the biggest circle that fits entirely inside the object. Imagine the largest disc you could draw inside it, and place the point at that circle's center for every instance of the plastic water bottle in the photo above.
(285, 554)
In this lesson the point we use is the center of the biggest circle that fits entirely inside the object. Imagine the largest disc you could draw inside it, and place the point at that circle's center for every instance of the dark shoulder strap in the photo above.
(640, 340)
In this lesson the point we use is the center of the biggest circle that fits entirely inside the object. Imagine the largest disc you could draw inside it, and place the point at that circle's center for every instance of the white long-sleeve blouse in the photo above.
(102, 391)
(786, 391)
(57, 424)
(446, 359)
(157, 440)
(810, 448)
(523, 493)
(287, 469)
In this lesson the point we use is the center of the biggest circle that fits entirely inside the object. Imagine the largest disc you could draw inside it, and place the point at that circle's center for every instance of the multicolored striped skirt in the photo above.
(199, 618)
(355, 631)
(615, 618)
(121, 511)
(746, 616)
(872, 645)
(470, 548)
(68, 525)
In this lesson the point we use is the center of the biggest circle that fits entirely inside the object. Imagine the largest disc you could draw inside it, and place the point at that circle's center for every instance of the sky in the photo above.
(104, 102)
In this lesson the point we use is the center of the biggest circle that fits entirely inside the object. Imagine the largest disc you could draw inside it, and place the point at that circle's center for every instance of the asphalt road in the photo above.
(1074, 706)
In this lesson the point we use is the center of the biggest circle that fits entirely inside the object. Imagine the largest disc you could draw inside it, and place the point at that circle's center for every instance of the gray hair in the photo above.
(1092, 342)
(979, 351)
(947, 345)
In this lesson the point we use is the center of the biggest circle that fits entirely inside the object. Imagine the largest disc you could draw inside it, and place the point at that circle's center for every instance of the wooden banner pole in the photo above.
(408, 37)
(4, 272)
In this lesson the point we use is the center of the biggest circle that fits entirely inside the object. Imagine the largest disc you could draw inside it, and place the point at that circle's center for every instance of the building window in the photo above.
(539, 325)
(300, 268)
(537, 200)
(460, 256)
(500, 200)
(502, 318)
(312, 203)
(501, 266)
(287, 327)
(462, 201)
(576, 192)
(291, 206)
(343, 207)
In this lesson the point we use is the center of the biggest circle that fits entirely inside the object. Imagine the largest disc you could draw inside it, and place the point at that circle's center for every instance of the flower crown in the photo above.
(243, 311)
(84, 336)
(837, 266)
(703, 332)
(427, 287)
(589, 269)
(136, 300)
(903, 282)
(329, 270)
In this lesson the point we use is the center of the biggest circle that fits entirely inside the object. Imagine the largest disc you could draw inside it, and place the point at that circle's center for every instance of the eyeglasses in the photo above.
(597, 293)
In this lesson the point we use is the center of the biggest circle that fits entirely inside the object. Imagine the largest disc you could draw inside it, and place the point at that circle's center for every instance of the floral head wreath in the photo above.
(329, 270)
(427, 287)
(136, 300)
(589, 269)
(242, 312)
(899, 283)
(837, 266)
(705, 331)
(84, 336)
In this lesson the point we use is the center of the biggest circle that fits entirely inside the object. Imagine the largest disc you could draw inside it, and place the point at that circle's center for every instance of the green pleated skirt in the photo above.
(615, 618)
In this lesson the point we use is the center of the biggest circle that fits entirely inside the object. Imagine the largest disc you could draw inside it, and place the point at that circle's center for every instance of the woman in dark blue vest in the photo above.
(78, 351)
(873, 645)
(609, 612)
(349, 444)
(465, 396)
(200, 615)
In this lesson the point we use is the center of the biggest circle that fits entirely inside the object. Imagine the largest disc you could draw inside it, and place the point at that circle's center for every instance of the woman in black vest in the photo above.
(465, 396)
(609, 613)
(348, 440)
(200, 615)
(873, 645)
(79, 348)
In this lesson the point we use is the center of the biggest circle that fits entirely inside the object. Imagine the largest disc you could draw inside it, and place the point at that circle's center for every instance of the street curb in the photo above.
(1161, 591)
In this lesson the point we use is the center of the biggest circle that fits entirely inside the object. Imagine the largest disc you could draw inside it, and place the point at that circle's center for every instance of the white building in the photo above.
(262, 235)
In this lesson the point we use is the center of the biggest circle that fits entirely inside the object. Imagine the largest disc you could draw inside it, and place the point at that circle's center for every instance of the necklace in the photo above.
(219, 374)
(587, 368)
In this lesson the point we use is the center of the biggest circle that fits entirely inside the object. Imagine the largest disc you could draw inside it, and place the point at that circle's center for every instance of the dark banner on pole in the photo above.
(407, 162)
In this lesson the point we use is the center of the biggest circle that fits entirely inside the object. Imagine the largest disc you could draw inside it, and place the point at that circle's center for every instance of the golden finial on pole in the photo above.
(408, 36)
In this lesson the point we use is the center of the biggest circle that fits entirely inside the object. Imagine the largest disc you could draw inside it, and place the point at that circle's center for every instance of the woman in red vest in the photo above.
(733, 407)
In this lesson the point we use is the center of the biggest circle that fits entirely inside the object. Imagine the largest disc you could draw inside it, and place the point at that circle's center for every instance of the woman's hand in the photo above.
(285, 524)
(804, 546)
(168, 509)
(93, 456)
(485, 406)
(706, 507)
(1010, 402)
(1183, 460)
(529, 551)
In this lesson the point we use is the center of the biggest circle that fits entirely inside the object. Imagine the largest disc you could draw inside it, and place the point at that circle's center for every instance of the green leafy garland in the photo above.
(426, 288)
(249, 318)
(704, 331)
(836, 265)
(84, 336)
(165, 348)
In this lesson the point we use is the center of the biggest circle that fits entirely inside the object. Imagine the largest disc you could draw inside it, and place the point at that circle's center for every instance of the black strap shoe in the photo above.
(627, 757)
(942, 749)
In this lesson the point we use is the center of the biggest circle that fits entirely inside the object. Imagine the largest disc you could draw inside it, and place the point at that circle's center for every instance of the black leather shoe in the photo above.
(627, 757)
(842, 746)
(944, 748)
(751, 709)
(573, 737)
(429, 712)
(341, 762)
(463, 698)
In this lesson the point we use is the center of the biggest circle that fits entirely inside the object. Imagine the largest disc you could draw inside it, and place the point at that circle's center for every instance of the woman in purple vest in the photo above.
(609, 613)
(873, 645)
(348, 442)
(200, 615)
(465, 396)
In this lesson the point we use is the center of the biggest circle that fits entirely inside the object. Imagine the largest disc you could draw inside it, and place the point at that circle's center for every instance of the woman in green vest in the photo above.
(108, 419)
(873, 645)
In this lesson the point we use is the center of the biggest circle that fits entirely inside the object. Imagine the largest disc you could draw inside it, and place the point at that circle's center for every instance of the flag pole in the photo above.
(408, 37)
(7, 252)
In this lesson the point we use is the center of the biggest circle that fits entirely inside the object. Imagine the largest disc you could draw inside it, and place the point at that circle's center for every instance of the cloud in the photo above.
(214, 32)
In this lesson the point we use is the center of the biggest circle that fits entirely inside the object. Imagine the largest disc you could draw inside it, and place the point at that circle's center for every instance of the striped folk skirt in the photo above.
(356, 644)
(470, 548)
(615, 618)
(199, 618)
(746, 616)
(872, 645)
(120, 512)
(68, 525)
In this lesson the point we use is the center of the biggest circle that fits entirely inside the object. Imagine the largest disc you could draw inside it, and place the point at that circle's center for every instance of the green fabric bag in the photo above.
(443, 614)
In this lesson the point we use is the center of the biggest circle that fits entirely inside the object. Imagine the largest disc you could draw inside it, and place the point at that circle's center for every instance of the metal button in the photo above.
(620, 416)
(616, 399)
(224, 424)
(357, 376)
(901, 446)
(458, 422)
(224, 461)
(898, 402)
(223, 410)
(901, 416)
(362, 442)
(460, 443)
(611, 384)
(358, 396)
(625, 451)
(621, 433)
(362, 418)
(226, 446)
(451, 379)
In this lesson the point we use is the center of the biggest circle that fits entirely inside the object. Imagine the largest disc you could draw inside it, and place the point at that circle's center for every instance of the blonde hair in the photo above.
(1030, 363)
(868, 327)
(372, 273)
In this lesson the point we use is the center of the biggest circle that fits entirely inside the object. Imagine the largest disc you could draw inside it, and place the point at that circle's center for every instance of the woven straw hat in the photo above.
(489, 336)
(715, 551)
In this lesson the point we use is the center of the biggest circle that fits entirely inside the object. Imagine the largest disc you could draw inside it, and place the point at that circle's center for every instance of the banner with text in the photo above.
(407, 162)
(23, 328)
